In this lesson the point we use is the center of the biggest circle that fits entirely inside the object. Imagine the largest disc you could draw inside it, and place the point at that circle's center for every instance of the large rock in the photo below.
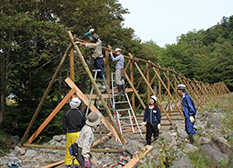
(20, 150)
(31, 153)
(57, 138)
(216, 122)
(204, 140)
(214, 155)
(190, 148)
(222, 145)
(132, 146)
(183, 134)
(182, 162)
(168, 138)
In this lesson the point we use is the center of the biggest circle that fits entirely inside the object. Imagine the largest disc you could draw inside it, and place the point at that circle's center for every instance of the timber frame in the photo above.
(166, 80)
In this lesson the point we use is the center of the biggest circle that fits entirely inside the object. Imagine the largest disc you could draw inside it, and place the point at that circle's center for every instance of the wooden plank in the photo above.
(92, 107)
(95, 96)
(126, 89)
(54, 164)
(136, 159)
(72, 64)
(50, 117)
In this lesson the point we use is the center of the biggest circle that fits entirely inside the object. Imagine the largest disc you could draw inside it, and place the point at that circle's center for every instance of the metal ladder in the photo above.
(118, 111)
(92, 89)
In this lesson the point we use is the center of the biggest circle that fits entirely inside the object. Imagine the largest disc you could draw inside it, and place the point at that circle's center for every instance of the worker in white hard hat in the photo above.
(152, 120)
(73, 121)
(189, 112)
(119, 73)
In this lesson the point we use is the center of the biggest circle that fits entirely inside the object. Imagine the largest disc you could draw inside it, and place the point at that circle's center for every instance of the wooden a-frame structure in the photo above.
(166, 79)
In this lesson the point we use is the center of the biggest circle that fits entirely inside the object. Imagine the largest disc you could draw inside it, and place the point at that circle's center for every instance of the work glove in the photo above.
(143, 124)
(87, 164)
(77, 42)
(91, 30)
(191, 119)
(159, 126)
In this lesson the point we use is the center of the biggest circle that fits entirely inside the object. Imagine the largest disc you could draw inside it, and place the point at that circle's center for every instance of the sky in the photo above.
(162, 21)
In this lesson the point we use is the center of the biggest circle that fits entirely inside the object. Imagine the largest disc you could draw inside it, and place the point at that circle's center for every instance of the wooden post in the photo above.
(148, 80)
(45, 95)
(72, 64)
(169, 99)
(97, 89)
(132, 81)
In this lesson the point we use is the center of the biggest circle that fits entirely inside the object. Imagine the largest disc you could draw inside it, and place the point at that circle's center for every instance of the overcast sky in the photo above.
(163, 20)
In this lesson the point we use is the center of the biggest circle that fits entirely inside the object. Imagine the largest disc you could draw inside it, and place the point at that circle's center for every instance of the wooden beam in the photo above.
(72, 64)
(50, 117)
(136, 159)
(92, 107)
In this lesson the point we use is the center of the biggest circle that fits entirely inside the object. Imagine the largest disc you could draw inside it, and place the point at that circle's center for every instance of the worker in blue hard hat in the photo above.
(189, 111)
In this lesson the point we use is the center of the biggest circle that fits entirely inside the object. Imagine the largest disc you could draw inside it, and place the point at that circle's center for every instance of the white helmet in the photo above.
(75, 102)
(117, 49)
(154, 98)
(181, 87)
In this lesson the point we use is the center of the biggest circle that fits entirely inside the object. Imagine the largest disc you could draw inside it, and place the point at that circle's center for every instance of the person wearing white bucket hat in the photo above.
(86, 138)
(73, 121)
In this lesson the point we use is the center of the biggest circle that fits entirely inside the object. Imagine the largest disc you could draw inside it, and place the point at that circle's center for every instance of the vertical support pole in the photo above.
(169, 99)
(132, 81)
(148, 79)
(72, 64)
(106, 65)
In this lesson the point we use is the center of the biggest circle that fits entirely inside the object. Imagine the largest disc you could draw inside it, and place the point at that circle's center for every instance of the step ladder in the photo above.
(105, 87)
(119, 111)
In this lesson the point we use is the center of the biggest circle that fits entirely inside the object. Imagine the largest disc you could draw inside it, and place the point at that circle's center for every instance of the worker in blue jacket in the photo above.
(152, 119)
(189, 111)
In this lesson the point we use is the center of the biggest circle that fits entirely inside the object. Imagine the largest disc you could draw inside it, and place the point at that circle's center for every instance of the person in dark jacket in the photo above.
(73, 121)
(189, 112)
(152, 119)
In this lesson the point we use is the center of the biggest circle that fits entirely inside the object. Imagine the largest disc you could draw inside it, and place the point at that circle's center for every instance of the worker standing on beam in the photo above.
(86, 139)
(189, 111)
(152, 119)
(119, 73)
(73, 121)
(96, 45)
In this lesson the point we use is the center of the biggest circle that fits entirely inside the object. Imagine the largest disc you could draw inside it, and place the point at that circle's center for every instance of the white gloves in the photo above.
(91, 30)
(77, 42)
(191, 119)
(159, 126)
(143, 124)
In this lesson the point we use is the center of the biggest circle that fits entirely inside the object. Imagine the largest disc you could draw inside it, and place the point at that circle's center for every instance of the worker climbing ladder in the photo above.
(127, 110)
(103, 87)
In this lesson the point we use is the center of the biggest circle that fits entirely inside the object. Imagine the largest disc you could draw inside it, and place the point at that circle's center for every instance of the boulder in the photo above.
(182, 162)
(190, 148)
(30, 153)
(132, 146)
(204, 140)
(214, 155)
(57, 138)
(216, 122)
(222, 145)
(20, 150)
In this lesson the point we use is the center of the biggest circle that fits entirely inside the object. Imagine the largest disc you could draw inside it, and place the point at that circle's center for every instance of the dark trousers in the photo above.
(99, 64)
(151, 129)
(80, 158)
(189, 127)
